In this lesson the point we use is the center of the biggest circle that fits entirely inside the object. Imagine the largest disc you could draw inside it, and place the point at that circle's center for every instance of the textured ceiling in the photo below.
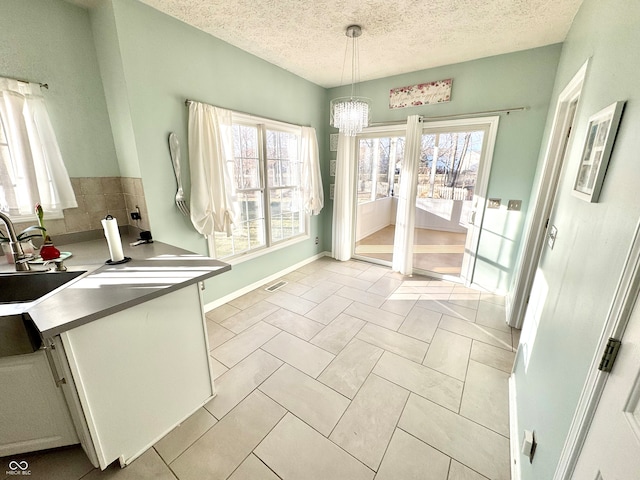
(307, 37)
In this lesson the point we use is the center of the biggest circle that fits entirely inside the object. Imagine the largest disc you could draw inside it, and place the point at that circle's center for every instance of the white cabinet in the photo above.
(33, 412)
(137, 373)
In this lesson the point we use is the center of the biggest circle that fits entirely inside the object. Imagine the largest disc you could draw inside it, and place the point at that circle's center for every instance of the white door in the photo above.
(612, 447)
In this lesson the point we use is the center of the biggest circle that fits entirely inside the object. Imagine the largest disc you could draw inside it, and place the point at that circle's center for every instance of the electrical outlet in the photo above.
(317, 240)
(514, 205)
(135, 216)
(494, 203)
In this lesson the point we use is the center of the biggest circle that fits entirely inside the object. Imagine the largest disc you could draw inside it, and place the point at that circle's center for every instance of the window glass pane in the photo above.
(282, 158)
(379, 164)
(246, 168)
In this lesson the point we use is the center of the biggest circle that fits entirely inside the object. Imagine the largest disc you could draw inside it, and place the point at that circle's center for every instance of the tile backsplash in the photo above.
(98, 197)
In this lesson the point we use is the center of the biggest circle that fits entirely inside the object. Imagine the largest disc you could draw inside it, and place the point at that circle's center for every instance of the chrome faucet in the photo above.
(19, 258)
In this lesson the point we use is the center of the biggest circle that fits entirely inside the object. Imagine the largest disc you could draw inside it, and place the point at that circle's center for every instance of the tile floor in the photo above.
(347, 372)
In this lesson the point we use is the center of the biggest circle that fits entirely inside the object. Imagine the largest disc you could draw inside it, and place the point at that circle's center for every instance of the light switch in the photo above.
(494, 203)
(514, 205)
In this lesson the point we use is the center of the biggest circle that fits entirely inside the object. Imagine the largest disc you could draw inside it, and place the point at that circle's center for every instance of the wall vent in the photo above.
(275, 286)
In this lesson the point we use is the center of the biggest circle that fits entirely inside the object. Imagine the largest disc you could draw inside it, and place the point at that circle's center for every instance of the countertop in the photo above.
(155, 269)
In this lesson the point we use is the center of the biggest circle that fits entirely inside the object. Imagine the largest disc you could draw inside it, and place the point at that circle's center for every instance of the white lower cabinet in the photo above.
(33, 411)
(136, 374)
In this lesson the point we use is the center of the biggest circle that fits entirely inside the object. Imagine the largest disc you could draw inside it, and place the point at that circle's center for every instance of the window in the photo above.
(31, 166)
(378, 163)
(267, 173)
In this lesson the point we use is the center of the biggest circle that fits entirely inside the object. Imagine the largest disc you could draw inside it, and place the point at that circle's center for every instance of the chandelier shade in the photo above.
(352, 113)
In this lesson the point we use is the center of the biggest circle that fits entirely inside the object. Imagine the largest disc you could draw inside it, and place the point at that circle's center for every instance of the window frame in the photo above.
(262, 125)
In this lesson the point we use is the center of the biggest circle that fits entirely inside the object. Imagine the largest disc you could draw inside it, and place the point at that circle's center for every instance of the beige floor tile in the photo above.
(249, 299)
(242, 345)
(338, 333)
(217, 334)
(420, 323)
(322, 291)
(457, 471)
(368, 424)
(488, 335)
(349, 281)
(329, 309)
(248, 317)
(294, 324)
(492, 315)
(217, 368)
(490, 297)
(148, 466)
(367, 298)
(385, 286)
(373, 273)
(348, 371)
(374, 315)
(408, 458)
(435, 296)
(473, 445)
(228, 443)
(344, 268)
(294, 276)
(253, 469)
(469, 300)
(295, 451)
(291, 302)
(62, 464)
(394, 342)
(234, 385)
(449, 309)
(398, 306)
(298, 353)
(486, 397)
(222, 313)
(309, 400)
(183, 436)
(316, 278)
(295, 288)
(449, 354)
(428, 383)
(492, 356)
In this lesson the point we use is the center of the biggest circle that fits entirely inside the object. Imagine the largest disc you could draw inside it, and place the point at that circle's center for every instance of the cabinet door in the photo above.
(140, 372)
(33, 413)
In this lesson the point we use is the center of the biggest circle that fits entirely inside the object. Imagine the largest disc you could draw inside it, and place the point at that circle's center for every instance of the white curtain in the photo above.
(343, 198)
(406, 213)
(313, 195)
(32, 171)
(213, 206)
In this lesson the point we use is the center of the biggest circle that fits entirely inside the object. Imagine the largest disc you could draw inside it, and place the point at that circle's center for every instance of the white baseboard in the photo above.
(238, 293)
(514, 445)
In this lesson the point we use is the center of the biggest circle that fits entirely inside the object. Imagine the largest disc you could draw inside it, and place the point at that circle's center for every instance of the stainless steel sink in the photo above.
(18, 333)
(27, 287)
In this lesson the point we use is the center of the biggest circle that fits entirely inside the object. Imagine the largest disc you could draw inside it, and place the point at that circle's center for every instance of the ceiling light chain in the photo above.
(351, 114)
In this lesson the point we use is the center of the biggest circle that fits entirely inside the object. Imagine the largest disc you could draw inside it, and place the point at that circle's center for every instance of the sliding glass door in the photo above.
(451, 185)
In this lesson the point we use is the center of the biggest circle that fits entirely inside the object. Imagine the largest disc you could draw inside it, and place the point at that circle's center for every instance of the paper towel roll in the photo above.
(112, 234)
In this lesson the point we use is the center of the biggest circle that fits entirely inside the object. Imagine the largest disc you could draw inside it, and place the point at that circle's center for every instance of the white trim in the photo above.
(535, 231)
(514, 445)
(238, 293)
(624, 300)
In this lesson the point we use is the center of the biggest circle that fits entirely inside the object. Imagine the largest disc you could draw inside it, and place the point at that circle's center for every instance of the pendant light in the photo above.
(351, 114)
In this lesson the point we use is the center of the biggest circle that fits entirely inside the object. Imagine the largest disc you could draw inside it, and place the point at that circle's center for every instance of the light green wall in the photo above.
(50, 41)
(512, 80)
(165, 61)
(582, 270)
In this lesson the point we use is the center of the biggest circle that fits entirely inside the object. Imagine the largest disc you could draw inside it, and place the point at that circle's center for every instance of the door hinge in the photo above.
(609, 355)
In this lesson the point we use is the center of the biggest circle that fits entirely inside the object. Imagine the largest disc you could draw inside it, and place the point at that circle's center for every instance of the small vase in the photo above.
(48, 251)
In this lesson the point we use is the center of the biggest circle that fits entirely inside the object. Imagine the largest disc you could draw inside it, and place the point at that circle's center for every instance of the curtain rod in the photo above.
(188, 101)
(457, 115)
(42, 85)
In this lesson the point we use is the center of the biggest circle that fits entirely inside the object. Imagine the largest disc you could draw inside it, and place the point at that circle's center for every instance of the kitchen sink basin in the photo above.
(30, 286)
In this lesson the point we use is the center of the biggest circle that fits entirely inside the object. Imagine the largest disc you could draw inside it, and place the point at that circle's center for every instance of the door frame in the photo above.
(535, 232)
(624, 300)
(482, 180)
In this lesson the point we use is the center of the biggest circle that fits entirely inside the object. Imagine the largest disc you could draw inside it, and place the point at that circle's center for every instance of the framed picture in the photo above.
(601, 134)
